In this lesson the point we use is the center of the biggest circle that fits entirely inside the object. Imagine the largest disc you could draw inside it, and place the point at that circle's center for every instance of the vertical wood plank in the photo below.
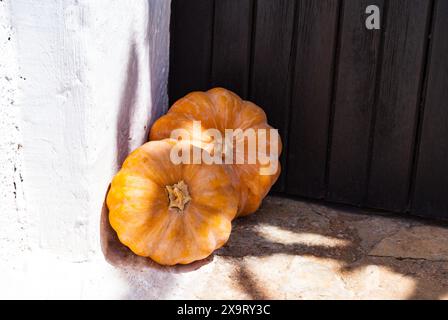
(431, 189)
(231, 45)
(354, 102)
(271, 61)
(311, 98)
(402, 68)
(191, 45)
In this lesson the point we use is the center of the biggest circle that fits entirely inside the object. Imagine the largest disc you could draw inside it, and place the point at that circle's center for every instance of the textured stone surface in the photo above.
(421, 242)
(298, 250)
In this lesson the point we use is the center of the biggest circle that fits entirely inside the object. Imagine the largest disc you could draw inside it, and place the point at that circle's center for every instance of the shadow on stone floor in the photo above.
(299, 238)
(354, 241)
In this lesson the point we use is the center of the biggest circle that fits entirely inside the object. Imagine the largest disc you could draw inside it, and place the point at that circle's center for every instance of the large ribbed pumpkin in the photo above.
(173, 214)
(222, 109)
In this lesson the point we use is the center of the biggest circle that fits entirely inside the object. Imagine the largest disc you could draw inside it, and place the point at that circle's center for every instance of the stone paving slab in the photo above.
(300, 250)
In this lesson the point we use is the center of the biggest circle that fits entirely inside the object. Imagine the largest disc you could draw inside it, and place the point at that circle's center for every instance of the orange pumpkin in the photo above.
(174, 214)
(221, 109)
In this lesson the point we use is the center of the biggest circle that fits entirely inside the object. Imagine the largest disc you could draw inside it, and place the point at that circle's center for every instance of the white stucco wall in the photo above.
(80, 83)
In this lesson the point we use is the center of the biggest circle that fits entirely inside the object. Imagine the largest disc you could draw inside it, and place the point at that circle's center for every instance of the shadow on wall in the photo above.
(155, 38)
(157, 45)
(127, 106)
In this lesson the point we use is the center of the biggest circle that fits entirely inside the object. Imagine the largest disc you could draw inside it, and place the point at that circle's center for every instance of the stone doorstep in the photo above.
(298, 250)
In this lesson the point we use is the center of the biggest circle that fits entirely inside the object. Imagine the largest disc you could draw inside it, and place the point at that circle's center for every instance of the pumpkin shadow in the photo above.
(120, 256)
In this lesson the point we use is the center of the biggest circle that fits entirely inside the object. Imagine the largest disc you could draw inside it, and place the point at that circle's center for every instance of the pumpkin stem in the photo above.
(178, 195)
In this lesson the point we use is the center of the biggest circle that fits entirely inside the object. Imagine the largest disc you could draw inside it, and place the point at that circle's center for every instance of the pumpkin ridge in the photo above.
(205, 247)
(159, 240)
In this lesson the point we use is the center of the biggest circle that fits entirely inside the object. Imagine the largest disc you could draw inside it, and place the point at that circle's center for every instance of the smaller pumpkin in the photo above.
(171, 213)
(222, 109)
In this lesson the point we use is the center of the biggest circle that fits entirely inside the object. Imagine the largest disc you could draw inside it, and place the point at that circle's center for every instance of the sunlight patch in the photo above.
(276, 234)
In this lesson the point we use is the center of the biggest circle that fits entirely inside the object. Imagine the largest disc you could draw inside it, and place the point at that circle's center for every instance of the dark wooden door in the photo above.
(363, 113)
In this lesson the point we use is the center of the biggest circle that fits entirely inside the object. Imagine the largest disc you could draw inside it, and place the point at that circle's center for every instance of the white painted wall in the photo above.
(80, 83)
